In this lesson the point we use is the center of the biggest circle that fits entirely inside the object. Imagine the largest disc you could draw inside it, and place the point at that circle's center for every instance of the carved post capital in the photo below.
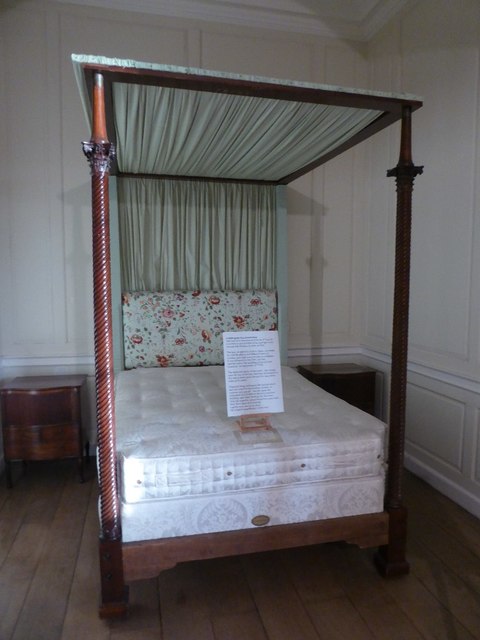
(99, 156)
(405, 172)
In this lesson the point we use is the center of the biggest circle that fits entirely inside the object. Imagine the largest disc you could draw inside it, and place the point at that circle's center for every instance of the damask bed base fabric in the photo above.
(181, 458)
(230, 511)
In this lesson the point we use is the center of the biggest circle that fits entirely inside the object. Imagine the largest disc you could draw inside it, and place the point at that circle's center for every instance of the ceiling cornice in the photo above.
(378, 18)
(248, 15)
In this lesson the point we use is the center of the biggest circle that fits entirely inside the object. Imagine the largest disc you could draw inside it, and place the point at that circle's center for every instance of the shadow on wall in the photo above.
(306, 264)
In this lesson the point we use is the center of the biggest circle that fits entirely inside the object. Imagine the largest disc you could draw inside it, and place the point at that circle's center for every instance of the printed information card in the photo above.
(253, 377)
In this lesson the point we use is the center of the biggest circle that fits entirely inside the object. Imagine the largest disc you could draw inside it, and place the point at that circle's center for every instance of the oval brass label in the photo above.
(260, 521)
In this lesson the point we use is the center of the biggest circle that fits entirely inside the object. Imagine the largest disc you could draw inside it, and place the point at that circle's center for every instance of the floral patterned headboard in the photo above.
(184, 328)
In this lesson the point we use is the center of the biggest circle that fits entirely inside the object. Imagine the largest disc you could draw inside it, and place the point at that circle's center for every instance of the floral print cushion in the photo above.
(181, 328)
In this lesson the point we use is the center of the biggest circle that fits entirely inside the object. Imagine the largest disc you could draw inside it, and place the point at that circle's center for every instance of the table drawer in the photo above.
(42, 442)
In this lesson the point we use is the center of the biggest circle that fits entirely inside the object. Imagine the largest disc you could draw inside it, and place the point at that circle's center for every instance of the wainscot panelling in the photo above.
(300, 221)
(433, 49)
(340, 202)
(383, 150)
(30, 213)
(380, 216)
(442, 426)
(46, 270)
(442, 421)
(5, 197)
(308, 287)
(443, 332)
(435, 426)
(257, 52)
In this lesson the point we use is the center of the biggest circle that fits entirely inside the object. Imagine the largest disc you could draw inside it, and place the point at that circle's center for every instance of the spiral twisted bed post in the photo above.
(99, 152)
(391, 559)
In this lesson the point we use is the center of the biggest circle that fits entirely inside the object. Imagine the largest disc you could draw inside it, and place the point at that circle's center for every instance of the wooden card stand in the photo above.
(255, 422)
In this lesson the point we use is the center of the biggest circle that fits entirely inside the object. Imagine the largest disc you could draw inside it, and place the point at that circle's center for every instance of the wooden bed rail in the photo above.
(148, 559)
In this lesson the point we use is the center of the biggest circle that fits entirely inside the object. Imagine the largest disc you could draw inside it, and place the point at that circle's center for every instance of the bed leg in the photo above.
(390, 559)
(114, 591)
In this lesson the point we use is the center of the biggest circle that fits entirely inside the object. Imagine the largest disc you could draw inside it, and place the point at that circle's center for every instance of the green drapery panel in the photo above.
(196, 235)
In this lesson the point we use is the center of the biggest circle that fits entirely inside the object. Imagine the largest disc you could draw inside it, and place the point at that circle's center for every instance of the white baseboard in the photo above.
(466, 499)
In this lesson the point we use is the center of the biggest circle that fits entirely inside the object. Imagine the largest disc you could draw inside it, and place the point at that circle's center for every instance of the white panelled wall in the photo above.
(433, 50)
(340, 218)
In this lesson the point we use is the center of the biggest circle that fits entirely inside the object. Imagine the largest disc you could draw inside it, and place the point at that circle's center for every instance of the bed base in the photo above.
(147, 559)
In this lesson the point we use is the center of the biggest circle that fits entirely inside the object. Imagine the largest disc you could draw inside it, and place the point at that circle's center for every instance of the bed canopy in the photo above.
(151, 120)
(211, 125)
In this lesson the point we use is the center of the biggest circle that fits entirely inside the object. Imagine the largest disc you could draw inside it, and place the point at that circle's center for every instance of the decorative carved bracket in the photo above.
(99, 156)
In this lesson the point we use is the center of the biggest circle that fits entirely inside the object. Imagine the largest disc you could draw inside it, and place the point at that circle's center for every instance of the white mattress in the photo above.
(187, 468)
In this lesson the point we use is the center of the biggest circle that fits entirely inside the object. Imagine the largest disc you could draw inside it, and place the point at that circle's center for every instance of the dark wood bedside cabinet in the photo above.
(42, 419)
(350, 382)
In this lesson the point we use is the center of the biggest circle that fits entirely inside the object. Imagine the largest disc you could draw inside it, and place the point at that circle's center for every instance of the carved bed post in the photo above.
(391, 559)
(99, 152)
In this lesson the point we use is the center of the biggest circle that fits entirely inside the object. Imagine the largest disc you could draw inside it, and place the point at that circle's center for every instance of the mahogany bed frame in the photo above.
(121, 563)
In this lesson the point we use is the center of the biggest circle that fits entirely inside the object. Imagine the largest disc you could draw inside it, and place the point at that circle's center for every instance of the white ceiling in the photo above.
(355, 19)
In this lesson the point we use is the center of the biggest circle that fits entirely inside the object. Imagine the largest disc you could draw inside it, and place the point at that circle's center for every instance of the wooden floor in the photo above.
(49, 587)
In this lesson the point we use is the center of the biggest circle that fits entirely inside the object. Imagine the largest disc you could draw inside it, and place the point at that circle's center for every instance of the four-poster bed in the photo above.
(299, 126)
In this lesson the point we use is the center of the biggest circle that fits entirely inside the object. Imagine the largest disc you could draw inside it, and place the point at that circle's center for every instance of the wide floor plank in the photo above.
(452, 592)
(238, 626)
(47, 597)
(270, 586)
(29, 510)
(85, 591)
(49, 578)
(184, 603)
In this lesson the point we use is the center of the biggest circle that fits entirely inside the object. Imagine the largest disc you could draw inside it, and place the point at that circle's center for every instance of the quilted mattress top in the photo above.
(174, 437)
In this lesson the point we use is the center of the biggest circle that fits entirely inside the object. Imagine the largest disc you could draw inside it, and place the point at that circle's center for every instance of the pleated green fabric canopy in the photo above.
(181, 122)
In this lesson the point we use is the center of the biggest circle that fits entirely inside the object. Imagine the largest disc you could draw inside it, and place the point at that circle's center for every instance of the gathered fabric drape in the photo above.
(174, 132)
(191, 234)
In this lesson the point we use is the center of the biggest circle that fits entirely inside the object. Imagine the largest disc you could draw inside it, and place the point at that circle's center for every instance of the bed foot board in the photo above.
(390, 560)
(114, 602)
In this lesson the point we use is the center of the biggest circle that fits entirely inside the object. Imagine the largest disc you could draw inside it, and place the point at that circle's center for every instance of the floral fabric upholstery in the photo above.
(181, 328)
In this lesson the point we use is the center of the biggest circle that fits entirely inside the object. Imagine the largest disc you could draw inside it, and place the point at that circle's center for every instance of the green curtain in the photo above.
(196, 235)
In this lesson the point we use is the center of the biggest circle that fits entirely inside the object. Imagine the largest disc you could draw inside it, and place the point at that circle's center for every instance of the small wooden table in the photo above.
(350, 382)
(42, 419)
